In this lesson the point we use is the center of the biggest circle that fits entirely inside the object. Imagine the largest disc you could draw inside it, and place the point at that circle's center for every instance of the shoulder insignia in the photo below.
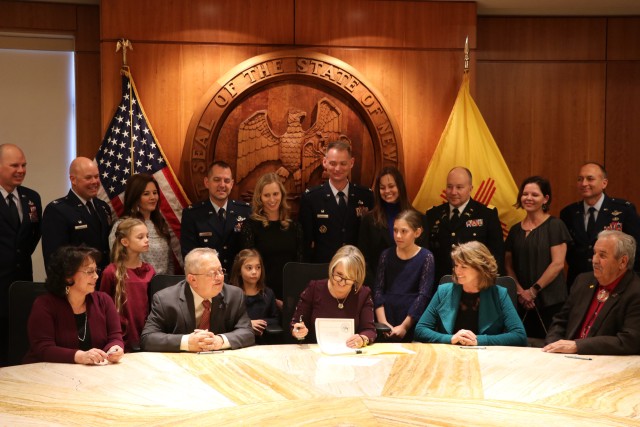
(312, 189)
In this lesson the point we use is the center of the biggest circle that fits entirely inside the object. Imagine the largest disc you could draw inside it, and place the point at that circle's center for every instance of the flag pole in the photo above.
(466, 55)
(125, 44)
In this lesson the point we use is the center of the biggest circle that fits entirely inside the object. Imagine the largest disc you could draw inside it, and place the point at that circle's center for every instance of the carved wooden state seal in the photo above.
(254, 118)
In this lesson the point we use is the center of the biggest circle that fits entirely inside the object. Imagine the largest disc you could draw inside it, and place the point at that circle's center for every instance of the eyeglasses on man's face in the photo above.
(213, 274)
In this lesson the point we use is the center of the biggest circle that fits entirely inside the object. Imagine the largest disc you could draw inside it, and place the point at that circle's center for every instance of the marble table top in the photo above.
(290, 385)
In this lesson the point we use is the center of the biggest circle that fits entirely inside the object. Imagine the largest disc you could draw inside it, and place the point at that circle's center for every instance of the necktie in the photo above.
(455, 217)
(591, 222)
(13, 211)
(92, 211)
(206, 315)
(342, 204)
(221, 215)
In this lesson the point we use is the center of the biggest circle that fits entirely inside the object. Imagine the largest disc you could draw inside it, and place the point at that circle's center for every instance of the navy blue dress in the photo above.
(404, 287)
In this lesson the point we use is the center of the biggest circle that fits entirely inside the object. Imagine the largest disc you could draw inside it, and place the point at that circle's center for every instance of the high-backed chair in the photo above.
(295, 278)
(21, 298)
(504, 281)
(161, 281)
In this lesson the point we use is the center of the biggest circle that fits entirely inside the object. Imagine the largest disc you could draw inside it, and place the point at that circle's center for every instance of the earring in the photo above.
(66, 290)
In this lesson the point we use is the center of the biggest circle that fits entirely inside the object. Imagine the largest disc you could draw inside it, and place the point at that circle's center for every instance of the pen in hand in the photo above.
(297, 329)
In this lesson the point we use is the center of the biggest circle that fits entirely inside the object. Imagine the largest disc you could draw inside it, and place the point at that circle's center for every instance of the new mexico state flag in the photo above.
(466, 141)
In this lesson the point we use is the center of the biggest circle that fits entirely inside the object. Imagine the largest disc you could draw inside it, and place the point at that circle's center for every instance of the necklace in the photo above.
(84, 336)
(341, 304)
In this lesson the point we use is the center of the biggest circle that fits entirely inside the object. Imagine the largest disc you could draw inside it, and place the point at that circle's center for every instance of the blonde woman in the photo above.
(472, 310)
(271, 231)
(340, 296)
(127, 279)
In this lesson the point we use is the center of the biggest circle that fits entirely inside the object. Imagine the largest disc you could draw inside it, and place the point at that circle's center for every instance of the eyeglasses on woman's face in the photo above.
(342, 280)
(91, 271)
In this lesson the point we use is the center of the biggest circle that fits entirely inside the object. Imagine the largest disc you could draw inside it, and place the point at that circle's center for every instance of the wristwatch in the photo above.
(365, 340)
(537, 287)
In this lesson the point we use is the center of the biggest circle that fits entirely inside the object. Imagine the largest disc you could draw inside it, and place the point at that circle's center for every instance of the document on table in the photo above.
(332, 335)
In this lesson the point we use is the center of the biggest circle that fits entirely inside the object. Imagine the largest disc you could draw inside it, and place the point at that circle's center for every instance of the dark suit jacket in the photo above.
(173, 315)
(67, 221)
(615, 214)
(53, 333)
(616, 330)
(201, 228)
(17, 245)
(477, 222)
(324, 232)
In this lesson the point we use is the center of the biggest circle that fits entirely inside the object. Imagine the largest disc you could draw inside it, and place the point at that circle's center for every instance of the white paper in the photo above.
(332, 335)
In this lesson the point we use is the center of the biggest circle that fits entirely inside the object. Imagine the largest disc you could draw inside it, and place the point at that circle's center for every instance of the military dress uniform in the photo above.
(201, 228)
(17, 243)
(324, 229)
(614, 214)
(67, 221)
(477, 222)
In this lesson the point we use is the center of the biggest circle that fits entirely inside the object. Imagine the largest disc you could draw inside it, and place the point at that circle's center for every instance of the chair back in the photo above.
(504, 281)
(22, 294)
(295, 278)
(161, 281)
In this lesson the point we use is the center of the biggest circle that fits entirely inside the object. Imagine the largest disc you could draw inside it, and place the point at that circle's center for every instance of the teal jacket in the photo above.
(498, 321)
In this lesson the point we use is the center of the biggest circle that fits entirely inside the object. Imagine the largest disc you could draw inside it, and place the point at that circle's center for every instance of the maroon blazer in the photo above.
(53, 334)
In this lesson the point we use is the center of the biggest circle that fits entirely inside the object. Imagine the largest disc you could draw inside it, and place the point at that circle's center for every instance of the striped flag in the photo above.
(466, 141)
(130, 146)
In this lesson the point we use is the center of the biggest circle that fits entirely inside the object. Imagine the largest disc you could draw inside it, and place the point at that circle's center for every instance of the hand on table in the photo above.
(464, 337)
(561, 346)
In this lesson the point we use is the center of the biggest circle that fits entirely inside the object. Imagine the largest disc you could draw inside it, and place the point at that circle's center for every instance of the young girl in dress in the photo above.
(127, 278)
(248, 274)
(404, 281)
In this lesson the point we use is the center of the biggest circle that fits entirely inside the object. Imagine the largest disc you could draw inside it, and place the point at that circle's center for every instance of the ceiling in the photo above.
(520, 7)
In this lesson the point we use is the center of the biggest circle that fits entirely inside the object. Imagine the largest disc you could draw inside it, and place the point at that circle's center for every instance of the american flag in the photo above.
(130, 146)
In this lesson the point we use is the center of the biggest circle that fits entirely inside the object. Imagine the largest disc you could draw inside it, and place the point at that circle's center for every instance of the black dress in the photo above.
(276, 245)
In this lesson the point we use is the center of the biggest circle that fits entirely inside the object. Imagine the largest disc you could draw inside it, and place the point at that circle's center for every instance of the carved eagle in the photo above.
(300, 152)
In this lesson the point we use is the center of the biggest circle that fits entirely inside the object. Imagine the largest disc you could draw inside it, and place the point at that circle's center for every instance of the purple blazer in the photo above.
(53, 334)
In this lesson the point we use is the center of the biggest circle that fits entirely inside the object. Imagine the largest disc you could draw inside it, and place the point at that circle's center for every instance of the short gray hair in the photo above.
(193, 258)
(625, 245)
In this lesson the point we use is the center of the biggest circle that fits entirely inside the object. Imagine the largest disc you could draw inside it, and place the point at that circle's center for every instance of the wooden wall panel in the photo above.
(200, 21)
(547, 118)
(37, 16)
(88, 125)
(541, 39)
(623, 38)
(88, 29)
(622, 154)
(393, 24)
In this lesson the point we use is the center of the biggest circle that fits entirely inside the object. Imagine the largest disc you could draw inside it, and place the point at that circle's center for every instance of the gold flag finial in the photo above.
(466, 55)
(124, 44)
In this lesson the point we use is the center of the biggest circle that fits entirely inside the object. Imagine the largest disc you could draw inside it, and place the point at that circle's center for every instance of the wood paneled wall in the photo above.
(557, 92)
(410, 51)
(83, 22)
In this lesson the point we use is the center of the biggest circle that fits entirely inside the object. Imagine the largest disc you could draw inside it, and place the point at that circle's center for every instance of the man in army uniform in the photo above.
(216, 222)
(461, 220)
(594, 213)
(79, 217)
(330, 213)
